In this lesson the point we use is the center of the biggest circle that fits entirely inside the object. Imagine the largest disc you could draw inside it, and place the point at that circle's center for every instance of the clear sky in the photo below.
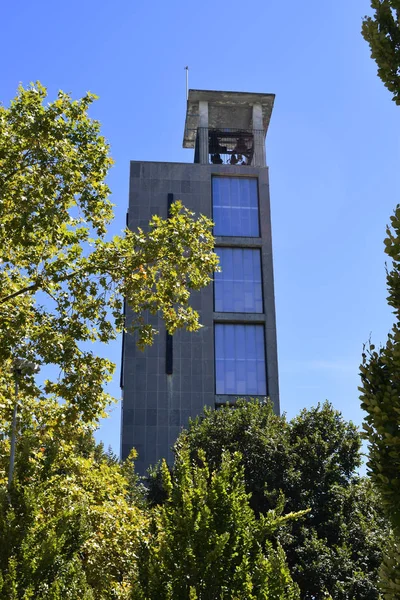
(332, 148)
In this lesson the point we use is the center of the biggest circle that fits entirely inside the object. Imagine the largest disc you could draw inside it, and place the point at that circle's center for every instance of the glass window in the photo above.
(235, 206)
(240, 360)
(237, 286)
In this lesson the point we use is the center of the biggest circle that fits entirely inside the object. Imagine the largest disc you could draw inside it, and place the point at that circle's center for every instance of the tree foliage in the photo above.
(61, 280)
(380, 368)
(71, 522)
(382, 32)
(205, 540)
(312, 461)
(75, 525)
(380, 398)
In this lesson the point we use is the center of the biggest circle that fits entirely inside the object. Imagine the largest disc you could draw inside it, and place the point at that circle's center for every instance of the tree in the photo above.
(312, 461)
(382, 32)
(77, 525)
(70, 526)
(380, 398)
(380, 368)
(61, 280)
(205, 540)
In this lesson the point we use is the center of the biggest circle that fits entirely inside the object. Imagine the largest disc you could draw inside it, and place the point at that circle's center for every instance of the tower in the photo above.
(235, 352)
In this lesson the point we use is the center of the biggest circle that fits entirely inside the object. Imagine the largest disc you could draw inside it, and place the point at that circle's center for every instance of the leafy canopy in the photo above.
(71, 523)
(382, 32)
(312, 460)
(380, 368)
(61, 280)
(75, 525)
(380, 398)
(205, 540)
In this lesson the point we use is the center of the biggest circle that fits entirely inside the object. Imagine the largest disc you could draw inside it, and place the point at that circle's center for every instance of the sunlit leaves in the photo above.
(70, 526)
(312, 459)
(62, 281)
(205, 541)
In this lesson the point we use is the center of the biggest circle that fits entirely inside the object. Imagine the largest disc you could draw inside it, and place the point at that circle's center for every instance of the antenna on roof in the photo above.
(187, 82)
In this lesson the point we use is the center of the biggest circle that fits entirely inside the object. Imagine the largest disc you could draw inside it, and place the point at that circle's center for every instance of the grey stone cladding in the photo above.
(156, 406)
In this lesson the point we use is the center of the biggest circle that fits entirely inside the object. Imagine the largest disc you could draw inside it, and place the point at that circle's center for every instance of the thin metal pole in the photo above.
(13, 434)
(187, 82)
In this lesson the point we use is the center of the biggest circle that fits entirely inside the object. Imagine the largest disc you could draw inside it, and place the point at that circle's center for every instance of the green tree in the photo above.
(75, 524)
(380, 368)
(70, 526)
(380, 398)
(312, 460)
(61, 280)
(205, 541)
(382, 32)
(70, 522)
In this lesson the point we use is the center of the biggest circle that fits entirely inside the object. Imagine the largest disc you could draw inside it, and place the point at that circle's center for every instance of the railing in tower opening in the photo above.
(227, 146)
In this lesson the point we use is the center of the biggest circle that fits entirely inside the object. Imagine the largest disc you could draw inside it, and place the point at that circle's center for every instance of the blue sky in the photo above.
(332, 148)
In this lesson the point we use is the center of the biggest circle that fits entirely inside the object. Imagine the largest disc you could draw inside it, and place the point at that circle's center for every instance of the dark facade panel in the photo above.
(162, 390)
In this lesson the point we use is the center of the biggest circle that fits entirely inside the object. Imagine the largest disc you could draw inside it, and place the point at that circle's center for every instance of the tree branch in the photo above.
(59, 279)
(38, 285)
(28, 288)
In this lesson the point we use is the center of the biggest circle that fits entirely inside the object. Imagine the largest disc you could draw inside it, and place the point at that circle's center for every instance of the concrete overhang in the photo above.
(232, 110)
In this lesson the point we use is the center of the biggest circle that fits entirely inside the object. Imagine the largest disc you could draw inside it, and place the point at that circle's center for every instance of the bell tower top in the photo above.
(227, 127)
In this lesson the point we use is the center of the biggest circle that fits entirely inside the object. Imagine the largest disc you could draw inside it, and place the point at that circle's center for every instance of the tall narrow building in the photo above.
(235, 353)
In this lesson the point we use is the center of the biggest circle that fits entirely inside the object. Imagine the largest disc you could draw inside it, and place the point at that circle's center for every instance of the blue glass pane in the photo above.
(240, 360)
(235, 206)
(237, 286)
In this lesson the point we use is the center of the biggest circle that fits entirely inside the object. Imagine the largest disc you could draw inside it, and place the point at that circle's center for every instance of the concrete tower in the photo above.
(234, 354)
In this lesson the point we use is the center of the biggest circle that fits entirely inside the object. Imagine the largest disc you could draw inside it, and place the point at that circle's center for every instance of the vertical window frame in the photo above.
(243, 177)
(241, 394)
(241, 248)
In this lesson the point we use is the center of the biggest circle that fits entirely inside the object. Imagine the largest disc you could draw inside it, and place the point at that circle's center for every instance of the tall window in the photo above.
(237, 286)
(235, 206)
(240, 359)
